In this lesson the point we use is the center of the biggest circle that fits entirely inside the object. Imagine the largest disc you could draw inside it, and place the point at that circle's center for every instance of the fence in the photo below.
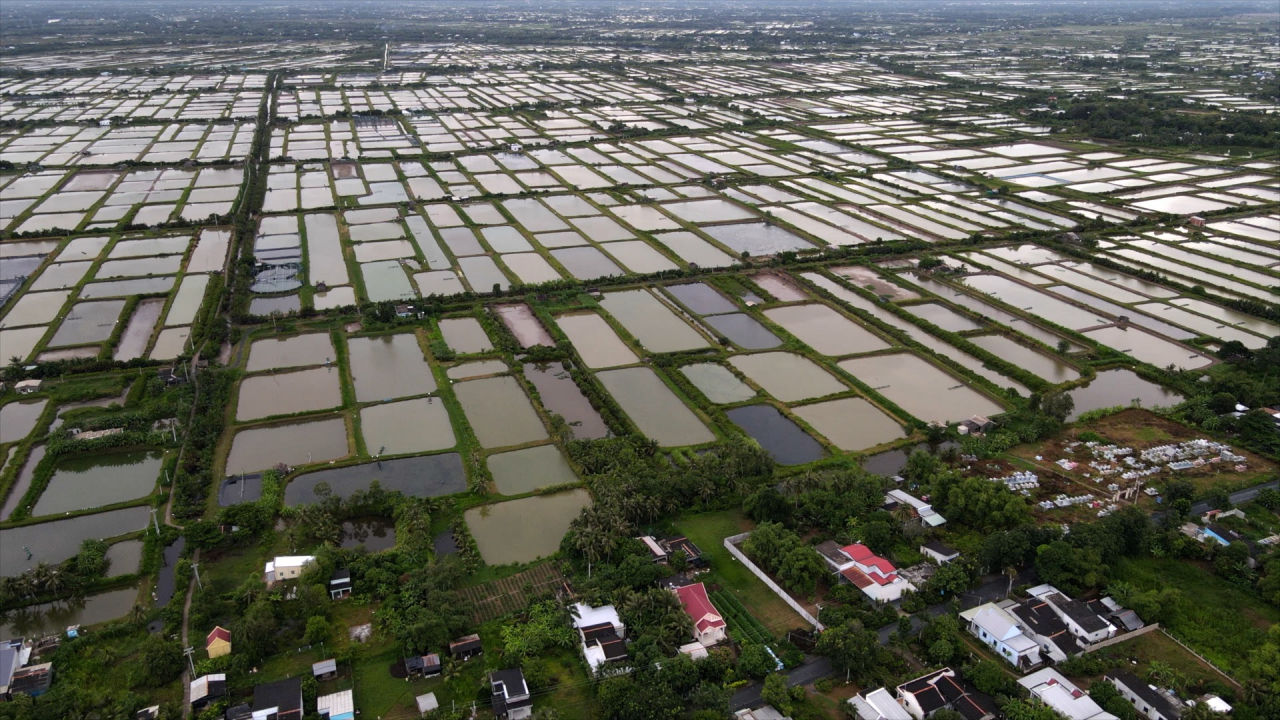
(1121, 638)
(731, 544)
(1203, 659)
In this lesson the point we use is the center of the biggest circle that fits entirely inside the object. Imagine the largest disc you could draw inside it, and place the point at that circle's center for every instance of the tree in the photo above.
(1058, 406)
(318, 630)
(161, 660)
(852, 648)
(1070, 569)
(755, 661)
(1107, 696)
(776, 692)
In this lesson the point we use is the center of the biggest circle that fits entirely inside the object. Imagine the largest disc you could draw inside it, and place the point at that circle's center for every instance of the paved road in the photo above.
(811, 671)
(1237, 497)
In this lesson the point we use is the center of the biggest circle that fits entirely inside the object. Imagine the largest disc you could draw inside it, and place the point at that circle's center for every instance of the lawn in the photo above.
(708, 532)
(1223, 622)
(1156, 645)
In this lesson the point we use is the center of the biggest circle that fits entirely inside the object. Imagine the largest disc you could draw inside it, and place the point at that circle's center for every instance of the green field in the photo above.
(1221, 621)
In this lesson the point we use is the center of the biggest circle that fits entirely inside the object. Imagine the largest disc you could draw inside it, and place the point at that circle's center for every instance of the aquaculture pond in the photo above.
(825, 330)
(787, 376)
(372, 534)
(526, 470)
(851, 424)
(561, 395)
(524, 325)
(53, 618)
(53, 542)
(744, 331)
(262, 448)
(653, 408)
(921, 388)
(519, 531)
(651, 321)
(18, 419)
(465, 335)
(124, 557)
(287, 393)
(1110, 388)
(785, 441)
(389, 366)
(89, 481)
(406, 426)
(499, 412)
(597, 344)
(295, 351)
(422, 476)
(718, 383)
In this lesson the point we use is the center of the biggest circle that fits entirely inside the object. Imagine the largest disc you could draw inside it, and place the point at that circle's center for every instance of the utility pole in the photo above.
(189, 652)
(155, 523)
(196, 568)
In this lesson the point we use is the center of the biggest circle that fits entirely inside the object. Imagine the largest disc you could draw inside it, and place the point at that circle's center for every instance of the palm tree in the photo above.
(40, 575)
(56, 582)
(137, 614)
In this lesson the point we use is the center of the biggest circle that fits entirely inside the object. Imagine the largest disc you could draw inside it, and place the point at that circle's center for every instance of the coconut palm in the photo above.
(138, 614)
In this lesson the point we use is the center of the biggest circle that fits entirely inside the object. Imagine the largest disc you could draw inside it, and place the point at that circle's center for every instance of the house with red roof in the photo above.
(708, 625)
(875, 576)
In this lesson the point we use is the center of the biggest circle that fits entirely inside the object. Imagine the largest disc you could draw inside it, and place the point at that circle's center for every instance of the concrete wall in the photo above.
(731, 544)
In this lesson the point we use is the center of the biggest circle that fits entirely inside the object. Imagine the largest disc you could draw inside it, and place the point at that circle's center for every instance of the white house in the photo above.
(875, 576)
(602, 634)
(286, 567)
(878, 705)
(943, 689)
(708, 625)
(941, 554)
(1147, 700)
(1054, 690)
(921, 509)
(1002, 632)
(1085, 624)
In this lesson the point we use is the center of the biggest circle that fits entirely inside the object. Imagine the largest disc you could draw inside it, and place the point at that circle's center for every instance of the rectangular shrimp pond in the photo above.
(524, 530)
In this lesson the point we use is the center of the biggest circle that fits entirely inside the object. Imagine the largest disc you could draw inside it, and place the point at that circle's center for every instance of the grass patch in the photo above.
(708, 532)
(1223, 622)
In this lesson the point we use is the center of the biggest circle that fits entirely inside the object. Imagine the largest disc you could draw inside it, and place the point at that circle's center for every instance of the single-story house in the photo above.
(208, 688)
(694, 650)
(425, 665)
(33, 680)
(920, 509)
(875, 576)
(656, 551)
(510, 699)
(1083, 622)
(283, 698)
(602, 634)
(218, 642)
(1148, 701)
(325, 669)
(1002, 632)
(942, 554)
(768, 712)
(336, 706)
(26, 387)
(878, 704)
(1052, 689)
(286, 567)
(941, 689)
(14, 654)
(708, 625)
(464, 648)
(1042, 624)
(686, 546)
(340, 584)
